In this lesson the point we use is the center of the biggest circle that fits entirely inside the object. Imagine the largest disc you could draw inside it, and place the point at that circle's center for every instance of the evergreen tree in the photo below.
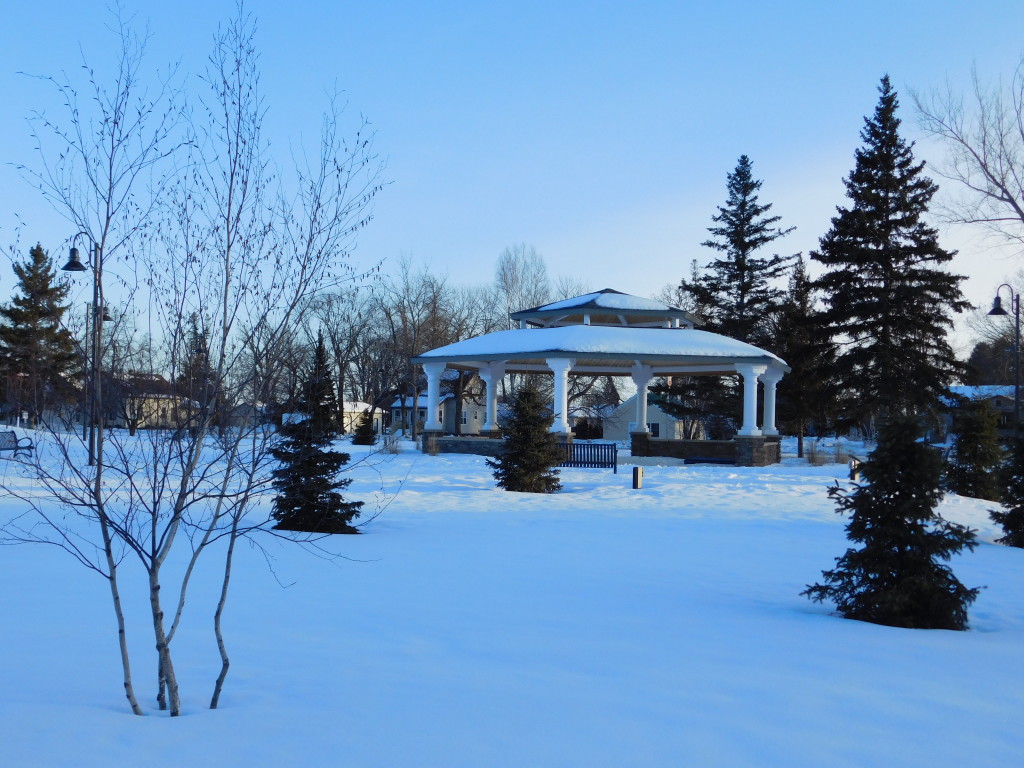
(37, 354)
(317, 399)
(737, 288)
(364, 434)
(531, 452)
(976, 458)
(806, 398)
(308, 490)
(1011, 518)
(889, 301)
(696, 401)
(894, 578)
(196, 379)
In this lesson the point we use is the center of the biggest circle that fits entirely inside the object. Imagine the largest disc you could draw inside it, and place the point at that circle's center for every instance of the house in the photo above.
(352, 411)
(621, 422)
(471, 418)
(146, 401)
(999, 396)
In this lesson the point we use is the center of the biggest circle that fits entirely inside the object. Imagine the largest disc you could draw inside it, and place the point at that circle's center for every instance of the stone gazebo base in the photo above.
(757, 451)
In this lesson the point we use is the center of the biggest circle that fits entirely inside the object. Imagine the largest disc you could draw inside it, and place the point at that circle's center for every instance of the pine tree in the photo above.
(976, 457)
(889, 300)
(196, 379)
(1011, 517)
(531, 452)
(37, 354)
(317, 399)
(894, 578)
(808, 395)
(737, 288)
(308, 490)
(364, 434)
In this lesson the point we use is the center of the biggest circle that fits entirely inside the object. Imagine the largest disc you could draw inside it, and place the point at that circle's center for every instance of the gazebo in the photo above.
(612, 333)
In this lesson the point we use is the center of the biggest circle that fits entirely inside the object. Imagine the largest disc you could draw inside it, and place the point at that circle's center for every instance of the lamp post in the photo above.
(93, 333)
(997, 310)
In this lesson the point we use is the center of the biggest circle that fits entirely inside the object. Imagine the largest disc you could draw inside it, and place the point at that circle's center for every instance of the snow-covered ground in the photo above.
(601, 626)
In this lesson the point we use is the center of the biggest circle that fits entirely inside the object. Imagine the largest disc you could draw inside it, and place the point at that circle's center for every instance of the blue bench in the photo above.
(591, 455)
(9, 441)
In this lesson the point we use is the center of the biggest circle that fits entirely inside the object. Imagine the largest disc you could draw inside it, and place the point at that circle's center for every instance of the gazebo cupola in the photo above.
(606, 307)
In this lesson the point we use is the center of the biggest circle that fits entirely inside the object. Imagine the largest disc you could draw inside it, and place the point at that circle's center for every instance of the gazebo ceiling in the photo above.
(605, 350)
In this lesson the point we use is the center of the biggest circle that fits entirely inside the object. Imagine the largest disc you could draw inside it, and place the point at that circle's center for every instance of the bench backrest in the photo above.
(589, 454)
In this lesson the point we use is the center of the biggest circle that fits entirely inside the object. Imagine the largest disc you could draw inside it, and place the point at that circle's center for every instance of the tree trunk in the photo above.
(225, 662)
(165, 668)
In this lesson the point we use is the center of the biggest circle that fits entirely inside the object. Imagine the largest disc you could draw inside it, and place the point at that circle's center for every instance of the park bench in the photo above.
(9, 442)
(590, 455)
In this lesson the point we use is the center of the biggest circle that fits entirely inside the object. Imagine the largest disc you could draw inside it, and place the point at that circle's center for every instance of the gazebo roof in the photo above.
(607, 307)
(606, 350)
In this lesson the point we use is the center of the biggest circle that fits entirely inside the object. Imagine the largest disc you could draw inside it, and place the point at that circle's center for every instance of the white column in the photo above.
(560, 368)
(433, 372)
(750, 374)
(770, 378)
(641, 377)
(490, 375)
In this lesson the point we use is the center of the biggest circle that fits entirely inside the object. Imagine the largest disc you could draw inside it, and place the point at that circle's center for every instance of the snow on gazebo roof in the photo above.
(606, 307)
(604, 349)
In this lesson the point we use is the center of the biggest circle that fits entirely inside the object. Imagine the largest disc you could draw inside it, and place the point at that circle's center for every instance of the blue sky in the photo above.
(599, 132)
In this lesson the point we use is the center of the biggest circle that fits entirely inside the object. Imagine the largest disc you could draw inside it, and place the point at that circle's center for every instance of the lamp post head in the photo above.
(74, 263)
(997, 307)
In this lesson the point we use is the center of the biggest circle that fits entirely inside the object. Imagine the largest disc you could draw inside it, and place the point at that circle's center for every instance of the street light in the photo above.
(93, 334)
(997, 310)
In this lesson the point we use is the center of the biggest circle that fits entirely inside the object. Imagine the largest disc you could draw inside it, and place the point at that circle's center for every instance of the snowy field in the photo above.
(601, 626)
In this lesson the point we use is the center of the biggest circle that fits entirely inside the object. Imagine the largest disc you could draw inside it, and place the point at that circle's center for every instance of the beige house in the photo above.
(352, 411)
(622, 422)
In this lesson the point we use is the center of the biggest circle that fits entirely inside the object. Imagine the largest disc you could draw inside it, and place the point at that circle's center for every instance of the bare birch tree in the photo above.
(230, 249)
(984, 137)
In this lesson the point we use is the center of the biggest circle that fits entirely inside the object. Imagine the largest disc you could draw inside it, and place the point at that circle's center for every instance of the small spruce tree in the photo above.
(364, 434)
(894, 578)
(976, 457)
(38, 361)
(1011, 518)
(531, 452)
(308, 490)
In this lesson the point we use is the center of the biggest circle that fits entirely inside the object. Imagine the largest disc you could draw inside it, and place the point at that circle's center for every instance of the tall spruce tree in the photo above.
(807, 397)
(309, 495)
(976, 459)
(895, 577)
(531, 451)
(889, 300)
(1011, 516)
(738, 289)
(37, 354)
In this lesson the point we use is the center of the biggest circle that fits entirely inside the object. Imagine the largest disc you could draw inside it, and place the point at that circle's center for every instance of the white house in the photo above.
(471, 418)
(352, 411)
(621, 422)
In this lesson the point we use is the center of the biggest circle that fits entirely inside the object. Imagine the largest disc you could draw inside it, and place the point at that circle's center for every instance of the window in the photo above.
(464, 418)
(654, 428)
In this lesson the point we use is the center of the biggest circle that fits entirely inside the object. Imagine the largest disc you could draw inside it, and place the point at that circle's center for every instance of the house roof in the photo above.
(606, 307)
(421, 400)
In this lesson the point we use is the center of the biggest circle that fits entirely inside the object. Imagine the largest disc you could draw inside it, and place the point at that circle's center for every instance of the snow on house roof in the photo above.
(984, 392)
(421, 401)
(355, 406)
(594, 341)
